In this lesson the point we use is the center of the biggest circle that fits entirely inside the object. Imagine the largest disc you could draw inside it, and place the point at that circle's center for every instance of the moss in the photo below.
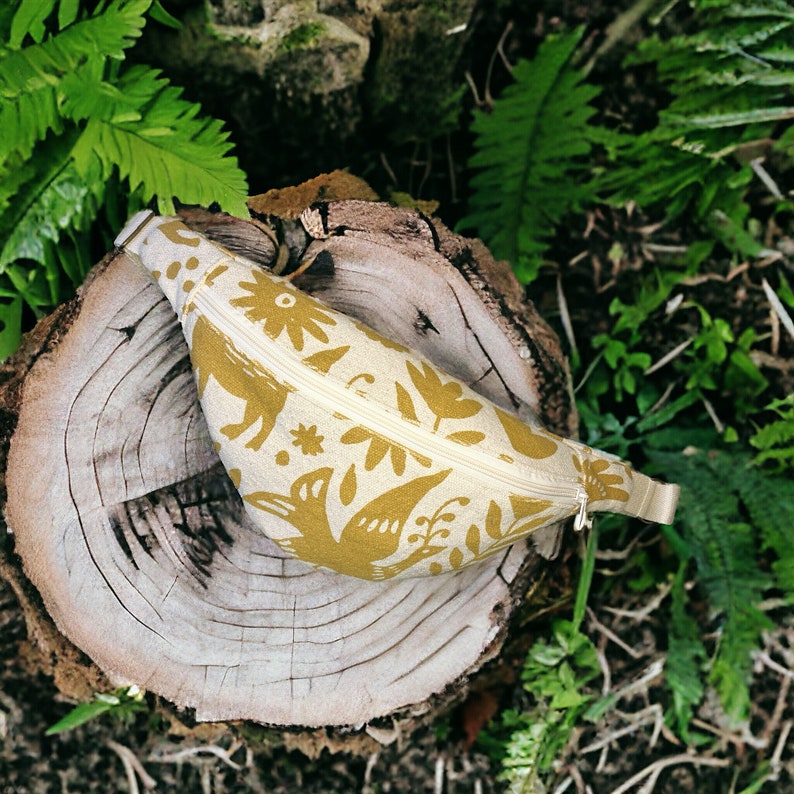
(302, 36)
(416, 68)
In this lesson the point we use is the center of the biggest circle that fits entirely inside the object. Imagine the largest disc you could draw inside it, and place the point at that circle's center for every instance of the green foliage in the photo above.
(729, 513)
(732, 87)
(555, 674)
(775, 440)
(121, 703)
(78, 125)
(533, 158)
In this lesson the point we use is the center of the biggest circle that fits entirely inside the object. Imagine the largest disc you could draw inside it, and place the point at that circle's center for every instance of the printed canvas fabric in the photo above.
(350, 451)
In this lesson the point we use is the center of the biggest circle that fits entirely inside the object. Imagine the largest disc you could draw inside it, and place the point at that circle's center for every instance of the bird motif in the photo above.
(372, 534)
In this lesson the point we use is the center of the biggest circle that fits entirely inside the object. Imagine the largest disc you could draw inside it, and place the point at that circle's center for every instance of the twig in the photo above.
(650, 715)
(720, 427)
(668, 357)
(663, 763)
(780, 746)
(617, 31)
(565, 318)
(778, 307)
(438, 783)
(763, 175)
(733, 738)
(765, 658)
(611, 635)
(638, 615)
(132, 766)
(371, 761)
(212, 749)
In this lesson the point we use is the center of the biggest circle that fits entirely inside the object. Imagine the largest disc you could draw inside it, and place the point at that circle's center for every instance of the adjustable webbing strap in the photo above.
(651, 500)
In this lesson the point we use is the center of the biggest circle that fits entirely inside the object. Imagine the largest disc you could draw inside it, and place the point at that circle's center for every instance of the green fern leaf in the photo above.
(685, 657)
(57, 197)
(29, 20)
(31, 78)
(724, 549)
(770, 503)
(106, 34)
(532, 156)
(738, 68)
(162, 148)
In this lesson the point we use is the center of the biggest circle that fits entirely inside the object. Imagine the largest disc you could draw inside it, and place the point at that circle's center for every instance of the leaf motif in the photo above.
(347, 489)
(493, 521)
(523, 439)
(466, 437)
(323, 360)
(456, 558)
(525, 506)
(405, 404)
(445, 400)
(473, 539)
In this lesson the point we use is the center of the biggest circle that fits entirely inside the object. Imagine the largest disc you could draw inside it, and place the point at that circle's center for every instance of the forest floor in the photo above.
(630, 750)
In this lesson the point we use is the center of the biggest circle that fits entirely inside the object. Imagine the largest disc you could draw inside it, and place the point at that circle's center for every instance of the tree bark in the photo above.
(135, 538)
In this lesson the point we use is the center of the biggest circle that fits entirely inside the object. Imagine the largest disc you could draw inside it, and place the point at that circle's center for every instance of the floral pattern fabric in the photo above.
(350, 451)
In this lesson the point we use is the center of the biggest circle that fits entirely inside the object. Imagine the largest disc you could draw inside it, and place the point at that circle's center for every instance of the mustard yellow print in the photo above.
(525, 440)
(372, 534)
(214, 354)
(192, 263)
(378, 447)
(348, 486)
(467, 438)
(528, 514)
(282, 458)
(405, 405)
(282, 308)
(308, 439)
(598, 484)
(445, 400)
(216, 272)
(174, 231)
(323, 360)
(172, 271)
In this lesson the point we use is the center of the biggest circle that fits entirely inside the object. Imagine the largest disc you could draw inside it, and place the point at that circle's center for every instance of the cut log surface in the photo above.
(137, 541)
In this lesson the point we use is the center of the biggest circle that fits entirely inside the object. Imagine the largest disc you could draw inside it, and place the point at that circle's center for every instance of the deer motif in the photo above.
(214, 354)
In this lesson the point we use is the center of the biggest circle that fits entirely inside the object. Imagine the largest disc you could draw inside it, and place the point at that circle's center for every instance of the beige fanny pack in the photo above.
(352, 452)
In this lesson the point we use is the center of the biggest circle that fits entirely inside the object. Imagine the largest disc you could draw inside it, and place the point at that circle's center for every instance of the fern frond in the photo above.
(532, 156)
(162, 147)
(31, 78)
(775, 440)
(770, 504)
(685, 656)
(724, 549)
(106, 34)
(56, 197)
(738, 68)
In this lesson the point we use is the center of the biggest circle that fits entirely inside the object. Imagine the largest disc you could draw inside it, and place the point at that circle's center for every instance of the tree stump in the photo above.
(130, 530)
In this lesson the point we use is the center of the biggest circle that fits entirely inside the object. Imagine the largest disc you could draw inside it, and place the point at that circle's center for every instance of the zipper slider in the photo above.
(583, 520)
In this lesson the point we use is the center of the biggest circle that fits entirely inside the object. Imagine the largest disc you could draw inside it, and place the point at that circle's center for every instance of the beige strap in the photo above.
(651, 500)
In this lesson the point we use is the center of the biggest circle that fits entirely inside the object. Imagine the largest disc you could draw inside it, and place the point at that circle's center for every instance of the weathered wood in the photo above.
(136, 540)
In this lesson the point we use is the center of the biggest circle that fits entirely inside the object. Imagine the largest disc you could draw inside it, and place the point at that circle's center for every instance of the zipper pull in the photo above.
(583, 519)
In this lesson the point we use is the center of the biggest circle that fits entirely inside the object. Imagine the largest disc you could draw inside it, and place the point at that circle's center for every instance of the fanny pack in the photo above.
(352, 452)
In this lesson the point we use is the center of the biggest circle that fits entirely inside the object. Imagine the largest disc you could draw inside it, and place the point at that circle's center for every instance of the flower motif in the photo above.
(378, 447)
(599, 485)
(307, 438)
(443, 399)
(282, 307)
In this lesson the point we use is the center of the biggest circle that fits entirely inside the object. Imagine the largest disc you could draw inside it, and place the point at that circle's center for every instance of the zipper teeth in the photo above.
(368, 413)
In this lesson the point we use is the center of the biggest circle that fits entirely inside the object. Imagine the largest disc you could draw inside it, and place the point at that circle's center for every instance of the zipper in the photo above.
(338, 399)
